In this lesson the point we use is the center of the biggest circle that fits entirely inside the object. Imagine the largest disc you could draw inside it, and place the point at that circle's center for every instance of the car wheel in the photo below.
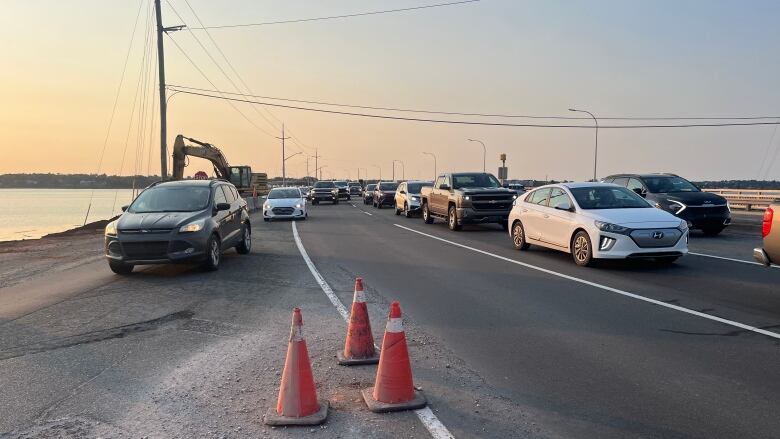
(581, 249)
(407, 213)
(712, 231)
(245, 246)
(397, 210)
(213, 254)
(120, 267)
(336, 201)
(518, 237)
(315, 202)
(504, 225)
(266, 219)
(667, 260)
(452, 219)
(426, 214)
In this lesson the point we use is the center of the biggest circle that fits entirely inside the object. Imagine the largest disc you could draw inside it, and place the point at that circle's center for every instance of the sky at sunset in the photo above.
(62, 62)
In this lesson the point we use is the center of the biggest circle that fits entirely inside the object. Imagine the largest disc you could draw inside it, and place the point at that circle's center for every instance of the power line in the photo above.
(463, 122)
(454, 113)
(331, 17)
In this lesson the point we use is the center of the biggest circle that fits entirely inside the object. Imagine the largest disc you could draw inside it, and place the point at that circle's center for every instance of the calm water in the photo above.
(32, 213)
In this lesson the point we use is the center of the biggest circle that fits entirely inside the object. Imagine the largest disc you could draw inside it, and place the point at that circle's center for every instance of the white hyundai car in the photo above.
(285, 202)
(596, 221)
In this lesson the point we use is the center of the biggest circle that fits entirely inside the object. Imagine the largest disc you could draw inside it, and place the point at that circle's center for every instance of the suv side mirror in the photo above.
(639, 191)
(124, 208)
(444, 187)
(222, 206)
(565, 206)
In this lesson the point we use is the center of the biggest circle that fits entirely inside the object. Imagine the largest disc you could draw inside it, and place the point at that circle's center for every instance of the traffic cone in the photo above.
(393, 389)
(359, 346)
(297, 404)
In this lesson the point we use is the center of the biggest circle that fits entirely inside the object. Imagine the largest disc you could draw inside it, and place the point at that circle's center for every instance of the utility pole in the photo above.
(163, 104)
(284, 159)
(316, 165)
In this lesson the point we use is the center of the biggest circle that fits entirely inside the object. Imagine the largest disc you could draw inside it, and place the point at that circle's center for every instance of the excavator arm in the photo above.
(202, 150)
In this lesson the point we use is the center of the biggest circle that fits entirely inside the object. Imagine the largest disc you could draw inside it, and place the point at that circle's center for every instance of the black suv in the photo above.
(324, 191)
(384, 194)
(179, 221)
(368, 193)
(703, 210)
(343, 189)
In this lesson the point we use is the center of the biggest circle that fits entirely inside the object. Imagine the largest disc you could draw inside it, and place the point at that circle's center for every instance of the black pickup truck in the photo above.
(467, 198)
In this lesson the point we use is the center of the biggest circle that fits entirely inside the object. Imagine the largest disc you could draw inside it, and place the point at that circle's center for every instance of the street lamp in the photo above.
(434, 162)
(403, 170)
(596, 152)
(284, 176)
(380, 171)
(484, 152)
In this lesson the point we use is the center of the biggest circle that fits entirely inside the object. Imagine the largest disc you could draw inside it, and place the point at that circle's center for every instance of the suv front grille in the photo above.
(492, 202)
(146, 250)
(144, 231)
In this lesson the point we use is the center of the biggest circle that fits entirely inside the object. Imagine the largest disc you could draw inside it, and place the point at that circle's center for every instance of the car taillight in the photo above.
(766, 227)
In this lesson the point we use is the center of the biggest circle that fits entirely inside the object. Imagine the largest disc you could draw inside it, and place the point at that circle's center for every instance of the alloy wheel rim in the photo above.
(214, 253)
(452, 218)
(581, 248)
(247, 238)
(518, 235)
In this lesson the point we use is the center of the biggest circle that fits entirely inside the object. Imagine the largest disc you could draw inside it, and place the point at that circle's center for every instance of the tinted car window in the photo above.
(219, 196)
(171, 199)
(389, 186)
(664, 184)
(370, 187)
(558, 197)
(608, 197)
(283, 193)
(538, 196)
(633, 183)
(474, 180)
(620, 181)
(324, 184)
(228, 194)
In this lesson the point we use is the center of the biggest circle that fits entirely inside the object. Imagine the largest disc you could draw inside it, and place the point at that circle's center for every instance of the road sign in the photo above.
(503, 171)
(200, 175)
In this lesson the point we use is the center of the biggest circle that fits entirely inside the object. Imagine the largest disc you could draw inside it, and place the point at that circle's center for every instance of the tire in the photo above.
(452, 219)
(120, 267)
(518, 237)
(667, 260)
(582, 249)
(397, 210)
(315, 202)
(426, 214)
(245, 246)
(407, 213)
(336, 201)
(213, 254)
(379, 205)
(504, 225)
(266, 219)
(712, 231)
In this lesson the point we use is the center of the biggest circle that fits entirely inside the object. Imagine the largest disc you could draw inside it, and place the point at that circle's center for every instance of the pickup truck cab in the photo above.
(467, 198)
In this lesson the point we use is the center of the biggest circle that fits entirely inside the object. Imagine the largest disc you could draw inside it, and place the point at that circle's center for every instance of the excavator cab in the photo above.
(241, 176)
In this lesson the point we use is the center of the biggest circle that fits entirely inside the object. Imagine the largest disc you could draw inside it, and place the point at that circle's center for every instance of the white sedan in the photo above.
(284, 202)
(596, 221)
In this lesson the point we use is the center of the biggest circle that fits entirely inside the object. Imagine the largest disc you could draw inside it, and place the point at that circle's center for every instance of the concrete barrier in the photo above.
(748, 199)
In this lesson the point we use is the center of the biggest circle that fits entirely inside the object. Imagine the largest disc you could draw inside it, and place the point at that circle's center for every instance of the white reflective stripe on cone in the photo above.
(296, 334)
(395, 324)
(360, 296)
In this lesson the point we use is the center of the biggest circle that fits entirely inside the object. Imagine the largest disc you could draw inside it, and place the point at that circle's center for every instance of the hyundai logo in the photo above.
(658, 235)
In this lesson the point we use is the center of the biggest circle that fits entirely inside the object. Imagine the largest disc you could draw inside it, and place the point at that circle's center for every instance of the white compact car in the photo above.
(285, 202)
(596, 221)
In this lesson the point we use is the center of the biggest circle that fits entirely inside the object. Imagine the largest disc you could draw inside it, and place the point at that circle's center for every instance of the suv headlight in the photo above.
(111, 228)
(195, 226)
(611, 228)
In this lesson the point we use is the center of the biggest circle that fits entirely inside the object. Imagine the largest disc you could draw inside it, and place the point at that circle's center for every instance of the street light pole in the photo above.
(380, 171)
(284, 173)
(484, 152)
(403, 170)
(596, 152)
(434, 162)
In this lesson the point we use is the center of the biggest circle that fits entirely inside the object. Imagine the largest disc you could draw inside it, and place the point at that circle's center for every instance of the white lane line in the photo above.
(352, 205)
(369, 214)
(730, 259)
(426, 416)
(604, 287)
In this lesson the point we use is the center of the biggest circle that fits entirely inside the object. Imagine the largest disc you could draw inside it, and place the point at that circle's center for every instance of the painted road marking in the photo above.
(369, 214)
(426, 416)
(730, 259)
(604, 287)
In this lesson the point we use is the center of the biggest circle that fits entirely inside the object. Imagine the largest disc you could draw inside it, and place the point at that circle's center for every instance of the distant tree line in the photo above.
(75, 181)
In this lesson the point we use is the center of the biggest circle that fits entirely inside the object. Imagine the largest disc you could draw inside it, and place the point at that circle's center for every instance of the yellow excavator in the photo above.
(241, 176)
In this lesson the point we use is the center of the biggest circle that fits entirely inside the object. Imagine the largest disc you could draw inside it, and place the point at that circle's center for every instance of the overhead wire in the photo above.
(469, 122)
(333, 17)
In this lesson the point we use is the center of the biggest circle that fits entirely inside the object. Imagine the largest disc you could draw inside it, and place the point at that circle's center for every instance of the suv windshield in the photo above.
(324, 184)
(370, 187)
(414, 188)
(171, 199)
(608, 197)
(389, 186)
(283, 193)
(460, 181)
(664, 184)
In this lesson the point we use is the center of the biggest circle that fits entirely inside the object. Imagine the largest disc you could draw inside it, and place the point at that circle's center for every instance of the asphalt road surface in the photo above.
(504, 343)
(582, 359)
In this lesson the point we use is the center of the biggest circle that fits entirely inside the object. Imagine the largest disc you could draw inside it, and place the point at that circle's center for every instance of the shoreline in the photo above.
(86, 229)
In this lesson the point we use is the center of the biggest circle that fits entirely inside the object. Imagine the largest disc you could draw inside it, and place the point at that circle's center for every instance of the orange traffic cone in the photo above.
(393, 389)
(359, 346)
(297, 404)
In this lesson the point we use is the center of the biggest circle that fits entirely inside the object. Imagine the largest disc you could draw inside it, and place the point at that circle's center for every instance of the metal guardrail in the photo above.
(748, 199)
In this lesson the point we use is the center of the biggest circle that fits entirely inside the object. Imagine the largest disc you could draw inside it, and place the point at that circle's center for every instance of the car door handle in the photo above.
(546, 215)
(525, 210)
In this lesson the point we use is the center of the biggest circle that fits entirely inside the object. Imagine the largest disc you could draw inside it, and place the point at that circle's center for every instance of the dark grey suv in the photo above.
(179, 221)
